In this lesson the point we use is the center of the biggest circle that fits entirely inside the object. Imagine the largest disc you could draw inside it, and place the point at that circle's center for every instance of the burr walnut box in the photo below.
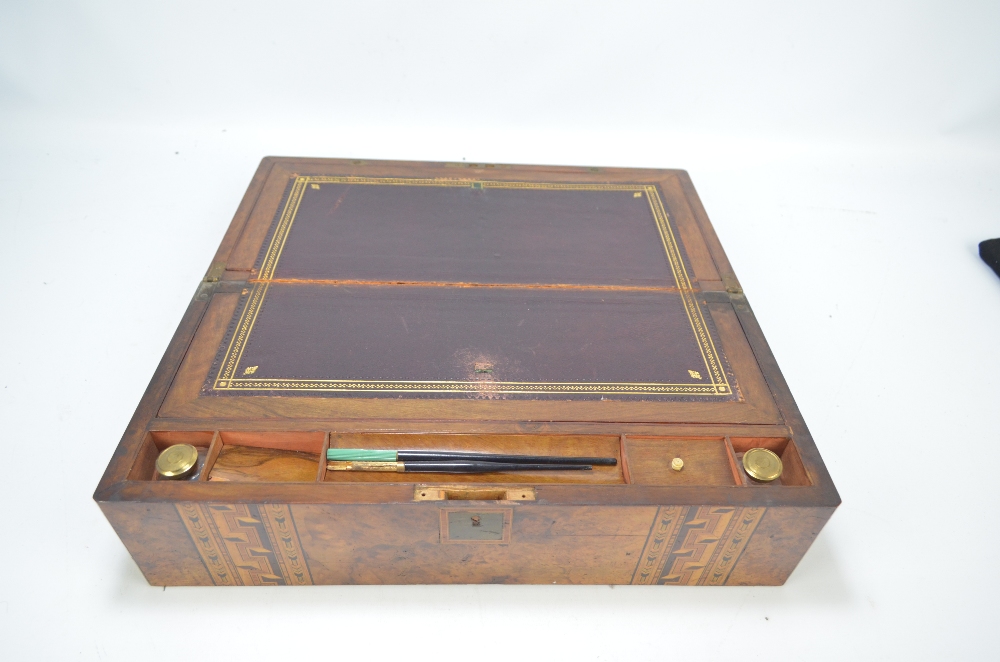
(478, 308)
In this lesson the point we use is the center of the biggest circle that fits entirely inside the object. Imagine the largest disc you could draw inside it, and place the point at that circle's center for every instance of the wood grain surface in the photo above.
(265, 465)
(266, 512)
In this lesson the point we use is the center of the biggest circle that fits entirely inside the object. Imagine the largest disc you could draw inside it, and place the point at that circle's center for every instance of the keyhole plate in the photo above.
(467, 525)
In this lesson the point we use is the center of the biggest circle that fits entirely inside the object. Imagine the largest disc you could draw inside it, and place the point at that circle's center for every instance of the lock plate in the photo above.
(475, 526)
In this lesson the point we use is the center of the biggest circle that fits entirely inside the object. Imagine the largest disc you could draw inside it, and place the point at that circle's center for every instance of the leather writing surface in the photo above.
(485, 337)
(445, 288)
(473, 235)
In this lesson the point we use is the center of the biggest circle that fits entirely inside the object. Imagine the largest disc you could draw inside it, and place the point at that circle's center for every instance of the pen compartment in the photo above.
(300, 456)
(513, 444)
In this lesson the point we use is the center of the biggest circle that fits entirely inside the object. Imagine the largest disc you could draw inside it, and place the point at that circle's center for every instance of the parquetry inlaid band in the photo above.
(247, 544)
(695, 545)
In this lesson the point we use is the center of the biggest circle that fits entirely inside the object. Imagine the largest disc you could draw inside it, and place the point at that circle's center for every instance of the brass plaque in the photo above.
(482, 526)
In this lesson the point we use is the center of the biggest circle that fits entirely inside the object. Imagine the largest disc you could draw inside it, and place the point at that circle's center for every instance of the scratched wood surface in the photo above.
(639, 522)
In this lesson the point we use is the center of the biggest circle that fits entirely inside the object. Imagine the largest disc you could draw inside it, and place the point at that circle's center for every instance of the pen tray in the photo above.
(299, 457)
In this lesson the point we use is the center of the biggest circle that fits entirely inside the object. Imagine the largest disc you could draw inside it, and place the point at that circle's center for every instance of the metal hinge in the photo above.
(211, 281)
(215, 272)
(205, 290)
(739, 302)
(732, 285)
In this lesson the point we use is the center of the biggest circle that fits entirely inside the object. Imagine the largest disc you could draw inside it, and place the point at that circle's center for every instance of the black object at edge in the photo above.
(989, 250)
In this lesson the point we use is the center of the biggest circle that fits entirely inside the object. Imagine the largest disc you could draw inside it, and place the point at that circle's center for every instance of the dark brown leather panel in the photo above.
(484, 336)
(486, 235)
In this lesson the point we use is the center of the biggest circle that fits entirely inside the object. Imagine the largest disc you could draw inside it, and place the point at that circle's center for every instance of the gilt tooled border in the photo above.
(226, 379)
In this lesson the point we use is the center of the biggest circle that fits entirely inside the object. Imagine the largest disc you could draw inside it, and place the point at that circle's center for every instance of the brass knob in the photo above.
(762, 464)
(177, 461)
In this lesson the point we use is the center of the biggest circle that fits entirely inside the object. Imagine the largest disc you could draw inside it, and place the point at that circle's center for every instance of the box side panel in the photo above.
(666, 545)
(782, 538)
(463, 542)
(406, 544)
(159, 543)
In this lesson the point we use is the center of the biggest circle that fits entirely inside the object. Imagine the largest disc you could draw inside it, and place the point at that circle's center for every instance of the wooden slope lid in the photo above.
(394, 290)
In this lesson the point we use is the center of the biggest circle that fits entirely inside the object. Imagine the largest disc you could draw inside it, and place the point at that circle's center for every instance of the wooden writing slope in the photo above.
(513, 309)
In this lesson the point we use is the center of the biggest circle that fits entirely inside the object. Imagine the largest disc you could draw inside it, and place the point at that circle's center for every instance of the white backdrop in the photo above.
(848, 154)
